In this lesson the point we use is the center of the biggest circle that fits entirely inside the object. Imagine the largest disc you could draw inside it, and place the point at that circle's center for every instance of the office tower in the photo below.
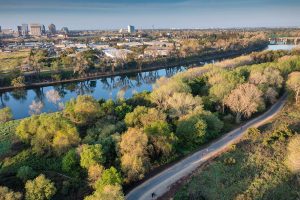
(19, 29)
(131, 29)
(43, 29)
(35, 29)
(52, 29)
(0, 29)
(25, 29)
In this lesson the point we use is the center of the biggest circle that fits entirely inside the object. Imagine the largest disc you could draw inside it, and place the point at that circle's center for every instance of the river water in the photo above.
(51, 98)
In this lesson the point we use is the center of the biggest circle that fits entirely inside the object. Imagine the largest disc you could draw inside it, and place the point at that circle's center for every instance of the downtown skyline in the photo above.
(104, 14)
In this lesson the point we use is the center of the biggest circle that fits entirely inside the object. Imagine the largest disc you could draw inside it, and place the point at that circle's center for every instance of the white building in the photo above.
(131, 29)
(117, 53)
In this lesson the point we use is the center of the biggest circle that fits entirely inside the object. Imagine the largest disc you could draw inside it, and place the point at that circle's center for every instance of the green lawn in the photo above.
(13, 59)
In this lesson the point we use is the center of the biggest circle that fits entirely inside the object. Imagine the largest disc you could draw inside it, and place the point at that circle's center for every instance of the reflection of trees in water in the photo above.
(85, 87)
(172, 71)
(19, 95)
(4, 98)
(61, 89)
(127, 82)
(39, 94)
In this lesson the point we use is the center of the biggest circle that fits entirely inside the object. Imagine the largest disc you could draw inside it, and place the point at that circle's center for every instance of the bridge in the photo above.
(285, 40)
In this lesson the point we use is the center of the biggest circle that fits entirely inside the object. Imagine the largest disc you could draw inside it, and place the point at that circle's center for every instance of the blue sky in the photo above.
(111, 14)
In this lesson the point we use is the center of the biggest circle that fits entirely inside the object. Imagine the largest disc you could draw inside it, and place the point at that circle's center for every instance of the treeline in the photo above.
(93, 148)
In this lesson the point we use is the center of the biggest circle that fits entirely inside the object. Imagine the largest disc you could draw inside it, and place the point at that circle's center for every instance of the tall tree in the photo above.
(244, 100)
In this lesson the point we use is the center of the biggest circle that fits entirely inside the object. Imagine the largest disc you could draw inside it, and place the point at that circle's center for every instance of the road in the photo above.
(161, 183)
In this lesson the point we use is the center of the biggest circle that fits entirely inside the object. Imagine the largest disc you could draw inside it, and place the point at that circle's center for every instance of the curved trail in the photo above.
(161, 183)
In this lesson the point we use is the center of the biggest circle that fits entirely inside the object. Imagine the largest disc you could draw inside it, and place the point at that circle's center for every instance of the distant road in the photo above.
(161, 183)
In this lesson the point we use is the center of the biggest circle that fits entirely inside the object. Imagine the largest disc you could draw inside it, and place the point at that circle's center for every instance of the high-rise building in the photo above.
(25, 29)
(52, 29)
(43, 29)
(65, 30)
(131, 29)
(0, 29)
(19, 29)
(35, 29)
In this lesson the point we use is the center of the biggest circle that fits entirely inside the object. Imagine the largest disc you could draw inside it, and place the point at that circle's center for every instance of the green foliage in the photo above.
(83, 110)
(109, 177)
(7, 194)
(40, 188)
(281, 133)
(31, 159)
(161, 139)
(122, 110)
(48, 132)
(91, 155)
(5, 115)
(71, 163)
(191, 131)
(25, 173)
(134, 118)
(110, 192)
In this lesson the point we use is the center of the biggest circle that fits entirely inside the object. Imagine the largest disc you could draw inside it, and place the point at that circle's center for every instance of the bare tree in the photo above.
(244, 100)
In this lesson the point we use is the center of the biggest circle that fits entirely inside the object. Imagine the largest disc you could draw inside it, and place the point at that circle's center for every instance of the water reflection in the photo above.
(51, 98)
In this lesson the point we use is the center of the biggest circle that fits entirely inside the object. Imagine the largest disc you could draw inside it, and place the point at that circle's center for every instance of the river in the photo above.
(52, 98)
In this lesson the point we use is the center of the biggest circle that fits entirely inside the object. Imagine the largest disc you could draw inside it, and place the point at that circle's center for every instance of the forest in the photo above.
(98, 149)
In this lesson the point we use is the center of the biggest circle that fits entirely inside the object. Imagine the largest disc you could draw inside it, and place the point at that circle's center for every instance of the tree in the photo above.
(71, 163)
(293, 84)
(83, 110)
(143, 116)
(82, 65)
(293, 155)
(165, 88)
(134, 155)
(109, 192)
(5, 115)
(95, 173)
(109, 177)
(18, 82)
(48, 132)
(181, 104)
(39, 188)
(25, 173)
(269, 77)
(222, 83)
(161, 139)
(244, 100)
(91, 155)
(133, 119)
(191, 131)
(7, 194)
(122, 110)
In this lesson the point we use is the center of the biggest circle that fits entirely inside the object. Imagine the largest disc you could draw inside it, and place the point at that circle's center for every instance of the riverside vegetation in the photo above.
(93, 149)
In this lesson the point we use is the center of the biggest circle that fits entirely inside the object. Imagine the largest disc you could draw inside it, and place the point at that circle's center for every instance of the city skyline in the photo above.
(103, 14)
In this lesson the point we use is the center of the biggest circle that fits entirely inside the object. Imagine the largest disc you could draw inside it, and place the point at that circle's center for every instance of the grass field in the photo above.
(12, 59)
(253, 169)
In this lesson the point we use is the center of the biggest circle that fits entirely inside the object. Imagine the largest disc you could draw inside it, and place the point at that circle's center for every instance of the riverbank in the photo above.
(188, 61)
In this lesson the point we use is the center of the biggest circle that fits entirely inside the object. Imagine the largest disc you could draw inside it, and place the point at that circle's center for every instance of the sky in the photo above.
(115, 14)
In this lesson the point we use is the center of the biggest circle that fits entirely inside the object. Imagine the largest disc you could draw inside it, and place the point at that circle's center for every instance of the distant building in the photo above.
(0, 29)
(25, 29)
(131, 29)
(43, 29)
(52, 29)
(35, 29)
(19, 30)
(65, 30)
